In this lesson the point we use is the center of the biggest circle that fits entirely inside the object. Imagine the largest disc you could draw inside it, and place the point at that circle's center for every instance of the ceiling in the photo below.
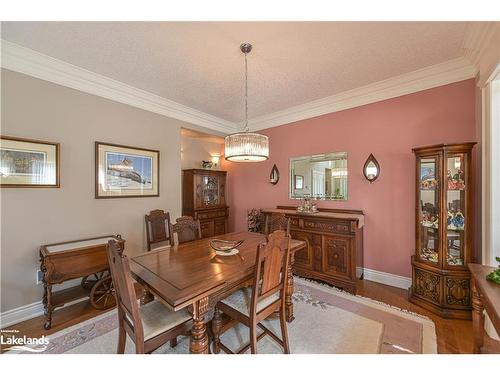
(199, 64)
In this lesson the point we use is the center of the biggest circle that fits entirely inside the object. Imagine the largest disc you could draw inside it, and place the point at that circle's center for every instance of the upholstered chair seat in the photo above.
(250, 306)
(149, 326)
(157, 318)
(241, 301)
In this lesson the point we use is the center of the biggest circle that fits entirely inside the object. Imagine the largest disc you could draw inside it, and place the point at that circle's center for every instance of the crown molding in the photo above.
(477, 37)
(451, 71)
(24, 60)
(480, 47)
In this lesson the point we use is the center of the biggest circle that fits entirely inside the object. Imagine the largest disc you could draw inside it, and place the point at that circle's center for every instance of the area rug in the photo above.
(327, 321)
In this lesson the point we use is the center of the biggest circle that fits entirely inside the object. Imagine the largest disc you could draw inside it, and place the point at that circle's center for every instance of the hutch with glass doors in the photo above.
(204, 198)
(443, 203)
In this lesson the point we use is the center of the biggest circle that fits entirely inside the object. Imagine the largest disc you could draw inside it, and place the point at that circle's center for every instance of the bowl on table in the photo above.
(225, 248)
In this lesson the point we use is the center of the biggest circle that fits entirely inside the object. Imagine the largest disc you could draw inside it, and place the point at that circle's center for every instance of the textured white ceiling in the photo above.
(199, 64)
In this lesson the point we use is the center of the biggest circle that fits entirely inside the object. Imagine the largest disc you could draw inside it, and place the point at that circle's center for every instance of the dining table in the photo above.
(191, 275)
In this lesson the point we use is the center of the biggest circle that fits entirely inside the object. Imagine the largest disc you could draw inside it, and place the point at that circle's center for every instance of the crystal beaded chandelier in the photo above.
(245, 146)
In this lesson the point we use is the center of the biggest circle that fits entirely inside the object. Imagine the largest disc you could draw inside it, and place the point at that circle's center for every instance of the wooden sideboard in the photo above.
(204, 198)
(334, 252)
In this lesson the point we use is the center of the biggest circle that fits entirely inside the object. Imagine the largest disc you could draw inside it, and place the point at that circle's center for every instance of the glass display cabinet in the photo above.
(204, 198)
(440, 278)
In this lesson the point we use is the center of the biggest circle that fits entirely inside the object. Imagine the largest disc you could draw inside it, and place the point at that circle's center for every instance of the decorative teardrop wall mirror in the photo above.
(274, 177)
(371, 169)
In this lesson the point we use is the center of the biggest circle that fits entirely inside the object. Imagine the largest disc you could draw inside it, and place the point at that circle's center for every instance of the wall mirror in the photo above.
(322, 177)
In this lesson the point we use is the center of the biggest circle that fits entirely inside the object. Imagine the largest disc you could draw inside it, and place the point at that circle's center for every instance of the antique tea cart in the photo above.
(87, 259)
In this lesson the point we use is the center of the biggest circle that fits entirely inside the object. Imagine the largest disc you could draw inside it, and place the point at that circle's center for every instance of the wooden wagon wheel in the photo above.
(102, 295)
(89, 281)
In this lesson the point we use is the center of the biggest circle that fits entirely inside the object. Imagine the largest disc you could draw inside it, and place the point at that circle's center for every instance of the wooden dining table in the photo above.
(192, 276)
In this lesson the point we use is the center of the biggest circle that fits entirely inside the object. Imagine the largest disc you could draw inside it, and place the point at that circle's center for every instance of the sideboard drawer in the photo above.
(327, 226)
(211, 214)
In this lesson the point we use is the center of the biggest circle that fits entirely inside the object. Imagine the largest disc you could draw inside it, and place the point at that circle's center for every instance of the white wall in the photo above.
(494, 249)
(37, 109)
(194, 150)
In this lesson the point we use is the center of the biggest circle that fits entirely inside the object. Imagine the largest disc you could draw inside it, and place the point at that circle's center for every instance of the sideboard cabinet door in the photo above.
(336, 257)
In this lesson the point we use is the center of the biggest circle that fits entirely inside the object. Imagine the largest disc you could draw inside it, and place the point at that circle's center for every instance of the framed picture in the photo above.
(299, 182)
(28, 163)
(124, 171)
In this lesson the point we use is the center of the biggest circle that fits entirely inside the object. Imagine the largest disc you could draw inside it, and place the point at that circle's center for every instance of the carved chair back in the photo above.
(187, 229)
(126, 300)
(272, 267)
(277, 222)
(158, 228)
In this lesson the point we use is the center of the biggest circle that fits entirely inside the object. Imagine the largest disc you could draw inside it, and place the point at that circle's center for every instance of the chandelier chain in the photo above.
(246, 93)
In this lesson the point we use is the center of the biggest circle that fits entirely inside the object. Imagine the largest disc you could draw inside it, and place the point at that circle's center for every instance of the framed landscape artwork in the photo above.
(28, 163)
(124, 171)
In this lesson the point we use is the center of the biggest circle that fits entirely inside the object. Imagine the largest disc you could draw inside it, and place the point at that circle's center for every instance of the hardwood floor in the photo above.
(453, 336)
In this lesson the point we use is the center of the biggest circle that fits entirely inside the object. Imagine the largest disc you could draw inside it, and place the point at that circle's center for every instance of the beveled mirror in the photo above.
(322, 177)
(371, 169)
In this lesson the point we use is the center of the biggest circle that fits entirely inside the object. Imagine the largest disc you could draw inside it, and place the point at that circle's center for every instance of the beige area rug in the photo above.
(327, 320)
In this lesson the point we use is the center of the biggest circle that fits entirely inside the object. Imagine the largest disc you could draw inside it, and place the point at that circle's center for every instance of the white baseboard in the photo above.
(387, 278)
(21, 314)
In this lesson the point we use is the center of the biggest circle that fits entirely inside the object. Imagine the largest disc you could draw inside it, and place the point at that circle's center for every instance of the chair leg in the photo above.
(139, 347)
(253, 338)
(122, 337)
(284, 331)
(173, 342)
(216, 326)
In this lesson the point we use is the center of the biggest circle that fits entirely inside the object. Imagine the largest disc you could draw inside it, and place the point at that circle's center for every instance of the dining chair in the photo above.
(277, 222)
(158, 228)
(186, 229)
(251, 305)
(149, 326)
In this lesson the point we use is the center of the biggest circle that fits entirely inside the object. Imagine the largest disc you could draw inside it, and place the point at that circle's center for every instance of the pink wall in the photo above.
(388, 129)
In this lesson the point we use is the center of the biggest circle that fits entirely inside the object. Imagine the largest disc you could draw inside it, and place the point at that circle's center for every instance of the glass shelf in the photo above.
(210, 190)
(429, 210)
(455, 205)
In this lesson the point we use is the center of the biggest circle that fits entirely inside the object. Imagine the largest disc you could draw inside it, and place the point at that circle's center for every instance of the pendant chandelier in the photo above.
(246, 146)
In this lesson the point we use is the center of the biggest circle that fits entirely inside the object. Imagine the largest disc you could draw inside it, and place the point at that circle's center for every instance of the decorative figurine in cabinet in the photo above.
(204, 198)
(443, 203)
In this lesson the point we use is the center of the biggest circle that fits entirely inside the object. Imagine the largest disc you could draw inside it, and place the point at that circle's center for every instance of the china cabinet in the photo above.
(443, 205)
(204, 198)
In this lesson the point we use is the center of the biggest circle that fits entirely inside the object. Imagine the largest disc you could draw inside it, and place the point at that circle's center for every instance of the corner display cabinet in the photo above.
(443, 204)
(204, 198)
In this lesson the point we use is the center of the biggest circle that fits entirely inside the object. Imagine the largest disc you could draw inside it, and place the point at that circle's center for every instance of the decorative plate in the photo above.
(227, 253)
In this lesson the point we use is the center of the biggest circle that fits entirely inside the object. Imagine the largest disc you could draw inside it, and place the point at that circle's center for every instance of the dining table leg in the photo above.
(198, 341)
(289, 291)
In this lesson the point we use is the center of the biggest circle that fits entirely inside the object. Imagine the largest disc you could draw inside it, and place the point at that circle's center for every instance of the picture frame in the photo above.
(298, 182)
(29, 163)
(126, 171)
